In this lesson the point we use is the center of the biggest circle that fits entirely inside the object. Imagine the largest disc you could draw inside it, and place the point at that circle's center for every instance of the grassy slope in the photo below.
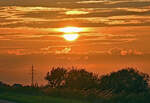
(21, 98)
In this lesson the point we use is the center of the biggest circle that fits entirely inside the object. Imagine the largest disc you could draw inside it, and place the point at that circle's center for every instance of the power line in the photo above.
(32, 77)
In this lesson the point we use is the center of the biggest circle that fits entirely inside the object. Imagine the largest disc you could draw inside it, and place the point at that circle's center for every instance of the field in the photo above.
(41, 98)
(23, 98)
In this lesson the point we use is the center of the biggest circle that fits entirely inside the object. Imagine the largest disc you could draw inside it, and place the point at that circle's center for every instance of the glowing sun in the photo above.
(70, 29)
(70, 33)
(71, 37)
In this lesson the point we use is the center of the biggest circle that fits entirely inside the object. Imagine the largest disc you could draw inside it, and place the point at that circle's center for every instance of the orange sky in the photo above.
(114, 34)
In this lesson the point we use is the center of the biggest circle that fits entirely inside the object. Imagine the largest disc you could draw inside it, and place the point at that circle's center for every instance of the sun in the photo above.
(70, 29)
(70, 37)
(70, 33)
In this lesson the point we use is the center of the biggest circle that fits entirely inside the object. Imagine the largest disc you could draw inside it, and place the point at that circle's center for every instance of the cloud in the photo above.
(75, 3)
(123, 52)
(43, 14)
(63, 51)
(51, 14)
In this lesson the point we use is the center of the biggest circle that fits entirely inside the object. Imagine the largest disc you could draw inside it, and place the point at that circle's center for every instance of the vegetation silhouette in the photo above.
(81, 79)
(56, 77)
(125, 80)
(127, 85)
(75, 78)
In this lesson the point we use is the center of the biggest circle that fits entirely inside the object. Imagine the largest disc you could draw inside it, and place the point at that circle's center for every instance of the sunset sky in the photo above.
(109, 35)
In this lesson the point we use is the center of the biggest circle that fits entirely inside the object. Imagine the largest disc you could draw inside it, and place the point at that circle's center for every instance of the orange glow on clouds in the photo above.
(74, 12)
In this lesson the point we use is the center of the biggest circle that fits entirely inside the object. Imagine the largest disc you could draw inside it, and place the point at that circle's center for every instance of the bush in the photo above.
(126, 80)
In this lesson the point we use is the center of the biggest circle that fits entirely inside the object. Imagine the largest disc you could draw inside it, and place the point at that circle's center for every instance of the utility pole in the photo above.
(32, 77)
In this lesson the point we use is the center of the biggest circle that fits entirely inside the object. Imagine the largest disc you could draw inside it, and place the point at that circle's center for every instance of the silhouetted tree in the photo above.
(81, 79)
(56, 77)
(125, 80)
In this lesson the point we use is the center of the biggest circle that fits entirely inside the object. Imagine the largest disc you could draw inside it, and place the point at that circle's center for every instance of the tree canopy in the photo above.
(81, 79)
(77, 79)
(56, 77)
(125, 80)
